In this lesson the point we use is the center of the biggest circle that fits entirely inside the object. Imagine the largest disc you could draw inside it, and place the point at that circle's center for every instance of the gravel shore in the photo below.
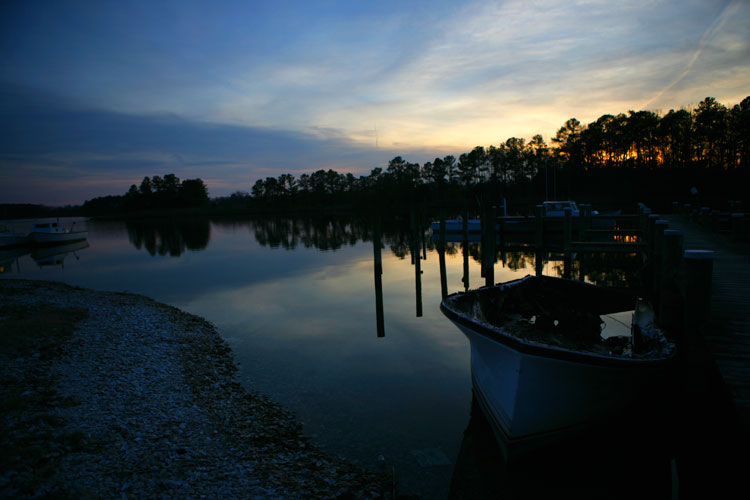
(141, 400)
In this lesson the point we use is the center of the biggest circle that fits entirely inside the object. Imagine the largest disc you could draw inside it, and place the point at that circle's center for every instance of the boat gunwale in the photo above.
(499, 334)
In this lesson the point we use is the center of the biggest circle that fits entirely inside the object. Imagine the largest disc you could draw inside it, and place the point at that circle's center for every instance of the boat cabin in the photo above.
(46, 227)
(557, 208)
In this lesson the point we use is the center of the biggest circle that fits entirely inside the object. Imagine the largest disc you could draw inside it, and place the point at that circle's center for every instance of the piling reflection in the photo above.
(378, 273)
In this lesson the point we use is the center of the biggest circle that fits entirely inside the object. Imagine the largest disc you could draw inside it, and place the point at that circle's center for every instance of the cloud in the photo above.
(54, 152)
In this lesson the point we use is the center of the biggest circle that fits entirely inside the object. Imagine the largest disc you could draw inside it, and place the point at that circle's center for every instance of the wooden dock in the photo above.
(728, 335)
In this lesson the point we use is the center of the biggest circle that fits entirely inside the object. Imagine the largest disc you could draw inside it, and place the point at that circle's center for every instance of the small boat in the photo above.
(543, 368)
(557, 208)
(52, 233)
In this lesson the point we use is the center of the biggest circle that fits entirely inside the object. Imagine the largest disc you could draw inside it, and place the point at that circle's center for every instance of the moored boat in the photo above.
(543, 368)
(52, 233)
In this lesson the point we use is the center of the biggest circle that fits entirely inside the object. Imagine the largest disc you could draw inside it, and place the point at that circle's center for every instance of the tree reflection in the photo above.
(169, 236)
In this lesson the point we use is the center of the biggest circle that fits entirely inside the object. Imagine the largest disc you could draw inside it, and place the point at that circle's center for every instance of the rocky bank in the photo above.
(137, 399)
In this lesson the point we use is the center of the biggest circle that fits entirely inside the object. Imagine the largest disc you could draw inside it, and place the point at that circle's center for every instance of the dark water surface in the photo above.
(296, 300)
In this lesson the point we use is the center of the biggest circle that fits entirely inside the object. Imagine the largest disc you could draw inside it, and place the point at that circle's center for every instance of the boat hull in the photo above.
(534, 394)
(40, 238)
(530, 398)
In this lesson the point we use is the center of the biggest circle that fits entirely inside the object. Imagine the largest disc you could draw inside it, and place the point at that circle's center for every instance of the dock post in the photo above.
(539, 213)
(643, 213)
(686, 210)
(737, 222)
(538, 262)
(567, 229)
(649, 232)
(441, 256)
(643, 220)
(715, 220)
(465, 249)
(660, 226)
(585, 220)
(698, 271)
(698, 277)
(669, 312)
(704, 218)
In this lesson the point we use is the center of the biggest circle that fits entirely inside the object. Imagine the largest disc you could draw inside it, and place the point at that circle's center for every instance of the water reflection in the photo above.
(163, 236)
(300, 321)
(55, 256)
(378, 274)
(615, 463)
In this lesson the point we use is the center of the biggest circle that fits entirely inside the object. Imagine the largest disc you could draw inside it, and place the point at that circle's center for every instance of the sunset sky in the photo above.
(95, 95)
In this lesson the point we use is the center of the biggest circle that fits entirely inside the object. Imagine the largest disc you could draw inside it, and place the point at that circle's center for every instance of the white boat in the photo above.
(52, 233)
(541, 366)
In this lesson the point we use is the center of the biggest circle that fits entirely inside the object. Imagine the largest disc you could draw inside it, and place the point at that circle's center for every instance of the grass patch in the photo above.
(42, 328)
(33, 437)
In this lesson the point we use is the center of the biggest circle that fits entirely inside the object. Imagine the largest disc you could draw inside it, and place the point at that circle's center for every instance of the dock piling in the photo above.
(539, 213)
(669, 311)
(698, 278)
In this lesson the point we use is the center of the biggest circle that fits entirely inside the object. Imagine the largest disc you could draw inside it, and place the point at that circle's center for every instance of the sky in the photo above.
(95, 95)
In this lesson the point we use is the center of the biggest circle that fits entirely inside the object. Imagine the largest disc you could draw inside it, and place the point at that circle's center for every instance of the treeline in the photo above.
(154, 193)
(634, 156)
(707, 147)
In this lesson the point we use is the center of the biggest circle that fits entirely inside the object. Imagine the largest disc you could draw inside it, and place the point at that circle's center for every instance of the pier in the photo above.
(726, 336)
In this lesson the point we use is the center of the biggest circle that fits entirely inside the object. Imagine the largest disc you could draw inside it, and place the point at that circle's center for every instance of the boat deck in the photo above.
(728, 338)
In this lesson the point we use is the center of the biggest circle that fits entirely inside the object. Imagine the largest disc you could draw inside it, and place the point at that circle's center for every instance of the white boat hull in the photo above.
(530, 396)
(41, 238)
(534, 393)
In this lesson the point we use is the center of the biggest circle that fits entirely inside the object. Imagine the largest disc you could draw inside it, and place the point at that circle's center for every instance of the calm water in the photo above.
(297, 301)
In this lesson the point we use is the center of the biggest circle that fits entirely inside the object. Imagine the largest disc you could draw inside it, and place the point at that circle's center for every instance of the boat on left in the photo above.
(53, 233)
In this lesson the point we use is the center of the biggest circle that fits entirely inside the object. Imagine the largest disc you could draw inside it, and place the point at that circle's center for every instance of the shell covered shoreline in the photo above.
(141, 400)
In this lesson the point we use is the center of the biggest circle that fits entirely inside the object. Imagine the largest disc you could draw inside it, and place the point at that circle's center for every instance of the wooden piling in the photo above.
(669, 311)
(737, 226)
(698, 272)
(465, 249)
(567, 229)
(649, 232)
(538, 262)
(698, 277)
(441, 256)
(584, 220)
(539, 213)
(660, 225)
(643, 213)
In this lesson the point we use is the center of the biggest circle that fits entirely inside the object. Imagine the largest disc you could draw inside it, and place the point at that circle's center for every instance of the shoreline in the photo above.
(141, 400)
